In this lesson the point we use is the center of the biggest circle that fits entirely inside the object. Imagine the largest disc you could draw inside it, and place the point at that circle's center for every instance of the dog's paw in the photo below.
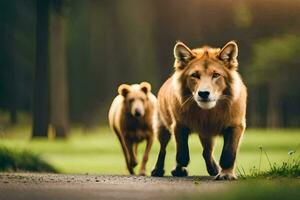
(230, 176)
(142, 173)
(133, 163)
(213, 170)
(179, 172)
(131, 171)
(158, 172)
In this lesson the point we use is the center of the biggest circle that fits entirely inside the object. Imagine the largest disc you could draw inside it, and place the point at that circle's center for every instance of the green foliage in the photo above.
(289, 168)
(243, 15)
(11, 160)
(275, 59)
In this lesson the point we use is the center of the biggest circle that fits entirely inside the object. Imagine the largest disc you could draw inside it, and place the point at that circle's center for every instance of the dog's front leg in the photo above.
(132, 157)
(232, 136)
(182, 154)
(208, 144)
(146, 155)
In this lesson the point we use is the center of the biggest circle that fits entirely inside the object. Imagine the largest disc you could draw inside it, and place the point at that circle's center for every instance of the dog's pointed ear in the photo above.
(124, 89)
(145, 87)
(228, 55)
(183, 55)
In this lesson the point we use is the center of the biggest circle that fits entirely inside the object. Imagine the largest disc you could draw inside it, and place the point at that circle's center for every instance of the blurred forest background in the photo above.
(61, 61)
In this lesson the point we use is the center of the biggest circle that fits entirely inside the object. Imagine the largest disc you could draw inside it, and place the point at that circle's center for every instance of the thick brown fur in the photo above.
(181, 111)
(131, 117)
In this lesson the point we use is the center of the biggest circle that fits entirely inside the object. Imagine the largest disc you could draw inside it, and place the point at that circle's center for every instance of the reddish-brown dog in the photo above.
(204, 95)
(131, 116)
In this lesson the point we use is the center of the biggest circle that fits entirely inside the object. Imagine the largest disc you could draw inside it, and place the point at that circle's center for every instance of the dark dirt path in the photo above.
(57, 186)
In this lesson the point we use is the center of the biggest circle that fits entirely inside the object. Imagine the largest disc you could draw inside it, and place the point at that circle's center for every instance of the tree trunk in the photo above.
(253, 114)
(41, 85)
(9, 45)
(273, 110)
(58, 72)
(13, 92)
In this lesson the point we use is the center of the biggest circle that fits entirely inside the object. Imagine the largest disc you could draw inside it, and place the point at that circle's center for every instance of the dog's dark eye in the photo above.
(216, 75)
(130, 100)
(195, 75)
(142, 100)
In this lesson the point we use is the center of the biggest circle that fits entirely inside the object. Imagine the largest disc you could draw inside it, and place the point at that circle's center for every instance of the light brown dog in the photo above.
(131, 116)
(204, 95)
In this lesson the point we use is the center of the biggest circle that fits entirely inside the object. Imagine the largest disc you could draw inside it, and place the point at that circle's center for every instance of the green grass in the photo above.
(98, 150)
(16, 160)
(277, 189)
(288, 168)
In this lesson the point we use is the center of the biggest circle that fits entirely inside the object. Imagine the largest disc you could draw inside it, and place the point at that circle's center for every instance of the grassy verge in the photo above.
(288, 168)
(98, 151)
(16, 160)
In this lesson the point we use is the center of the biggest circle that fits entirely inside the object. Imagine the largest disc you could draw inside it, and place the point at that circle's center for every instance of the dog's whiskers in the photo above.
(186, 101)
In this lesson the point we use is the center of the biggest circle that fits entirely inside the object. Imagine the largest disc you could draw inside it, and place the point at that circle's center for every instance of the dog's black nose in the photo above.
(203, 94)
(137, 113)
